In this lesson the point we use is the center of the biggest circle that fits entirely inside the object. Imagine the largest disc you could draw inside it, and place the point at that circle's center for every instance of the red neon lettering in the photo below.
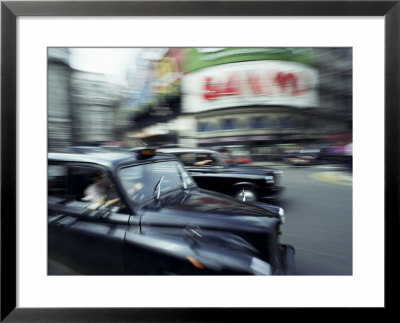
(288, 83)
(211, 90)
(285, 81)
(231, 86)
(291, 81)
(254, 83)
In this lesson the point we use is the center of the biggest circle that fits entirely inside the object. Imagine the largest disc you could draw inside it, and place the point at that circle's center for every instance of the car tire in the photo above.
(250, 194)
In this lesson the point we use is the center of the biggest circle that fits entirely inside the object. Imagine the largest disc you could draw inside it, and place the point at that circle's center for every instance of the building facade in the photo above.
(81, 105)
(59, 100)
(94, 104)
(256, 101)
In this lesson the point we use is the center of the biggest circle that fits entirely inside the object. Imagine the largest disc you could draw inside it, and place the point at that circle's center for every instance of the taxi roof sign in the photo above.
(145, 152)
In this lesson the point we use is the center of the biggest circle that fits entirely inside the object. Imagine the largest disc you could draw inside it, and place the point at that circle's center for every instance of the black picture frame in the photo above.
(11, 10)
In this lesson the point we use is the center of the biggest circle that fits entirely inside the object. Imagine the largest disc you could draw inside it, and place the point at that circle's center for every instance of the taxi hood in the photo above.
(209, 209)
(204, 201)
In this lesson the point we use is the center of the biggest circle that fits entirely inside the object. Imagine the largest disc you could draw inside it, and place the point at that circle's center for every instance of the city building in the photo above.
(94, 103)
(81, 105)
(256, 101)
(59, 100)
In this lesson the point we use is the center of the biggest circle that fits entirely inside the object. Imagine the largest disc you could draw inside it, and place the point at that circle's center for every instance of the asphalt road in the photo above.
(318, 208)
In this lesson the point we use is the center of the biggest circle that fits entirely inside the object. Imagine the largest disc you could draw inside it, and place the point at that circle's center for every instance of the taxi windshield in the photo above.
(141, 181)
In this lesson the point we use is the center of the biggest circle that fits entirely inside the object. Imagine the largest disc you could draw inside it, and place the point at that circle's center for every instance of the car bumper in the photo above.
(273, 193)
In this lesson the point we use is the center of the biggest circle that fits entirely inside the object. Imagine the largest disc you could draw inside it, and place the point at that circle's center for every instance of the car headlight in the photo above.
(269, 179)
(260, 267)
(282, 215)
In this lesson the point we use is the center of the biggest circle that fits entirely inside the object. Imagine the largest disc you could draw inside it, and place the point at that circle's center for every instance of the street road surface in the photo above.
(318, 207)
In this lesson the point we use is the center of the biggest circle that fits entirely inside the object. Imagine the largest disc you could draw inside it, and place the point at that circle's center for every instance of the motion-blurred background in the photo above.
(260, 103)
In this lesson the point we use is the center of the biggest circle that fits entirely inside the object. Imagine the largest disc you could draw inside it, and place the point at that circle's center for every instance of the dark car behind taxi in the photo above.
(152, 219)
(244, 182)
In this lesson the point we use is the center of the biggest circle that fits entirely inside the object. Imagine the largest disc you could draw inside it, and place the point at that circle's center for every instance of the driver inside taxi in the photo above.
(97, 192)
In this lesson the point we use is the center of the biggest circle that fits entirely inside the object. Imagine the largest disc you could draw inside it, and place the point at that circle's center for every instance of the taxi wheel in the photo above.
(246, 194)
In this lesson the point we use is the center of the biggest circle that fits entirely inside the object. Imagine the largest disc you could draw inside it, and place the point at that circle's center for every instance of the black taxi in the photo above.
(140, 213)
(211, 171)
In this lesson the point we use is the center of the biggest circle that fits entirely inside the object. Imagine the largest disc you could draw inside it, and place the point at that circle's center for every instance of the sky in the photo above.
(110, 61)
(113, 62)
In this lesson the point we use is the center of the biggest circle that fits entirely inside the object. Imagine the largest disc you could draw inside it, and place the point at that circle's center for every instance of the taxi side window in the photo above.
(57, 180)
(90, 182)
(204, 159)
(188, 159)
(92, 185)
(80, 178)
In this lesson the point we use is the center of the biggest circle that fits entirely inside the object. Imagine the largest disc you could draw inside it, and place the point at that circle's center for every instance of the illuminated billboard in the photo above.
(267, 83)
(199, 58)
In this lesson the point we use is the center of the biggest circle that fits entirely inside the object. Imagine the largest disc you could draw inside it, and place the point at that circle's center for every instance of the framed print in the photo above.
(243, 56)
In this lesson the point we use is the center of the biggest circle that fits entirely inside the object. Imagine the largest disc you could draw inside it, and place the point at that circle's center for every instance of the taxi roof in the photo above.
(187, 150)
(108, 157)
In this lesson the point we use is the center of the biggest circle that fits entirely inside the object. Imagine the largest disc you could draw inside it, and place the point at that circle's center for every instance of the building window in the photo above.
(205, 127)
(288, 122)
(258, 123)
(228, 124)
(201, 127)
